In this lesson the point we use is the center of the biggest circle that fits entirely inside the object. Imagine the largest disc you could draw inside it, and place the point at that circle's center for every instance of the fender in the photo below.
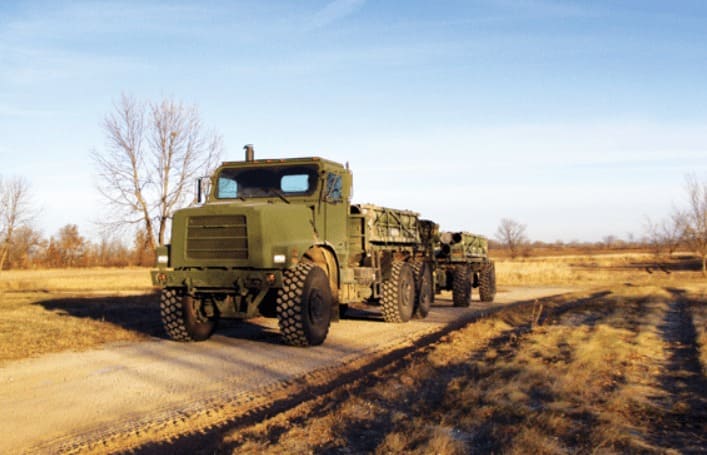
(323, 254)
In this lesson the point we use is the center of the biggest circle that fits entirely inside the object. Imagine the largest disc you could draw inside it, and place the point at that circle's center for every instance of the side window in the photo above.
(297, 183)
(333, 188)
(227, 188)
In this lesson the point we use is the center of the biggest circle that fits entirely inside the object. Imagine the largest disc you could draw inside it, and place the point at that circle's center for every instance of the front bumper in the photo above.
(237, 280)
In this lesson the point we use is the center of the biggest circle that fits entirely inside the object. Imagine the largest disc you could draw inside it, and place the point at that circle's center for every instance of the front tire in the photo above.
(398, 300)
(304, 305)
(181, 319)
(461, 286)
(487, 282)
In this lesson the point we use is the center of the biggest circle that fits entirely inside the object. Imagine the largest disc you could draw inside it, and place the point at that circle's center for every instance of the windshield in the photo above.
(266, 182)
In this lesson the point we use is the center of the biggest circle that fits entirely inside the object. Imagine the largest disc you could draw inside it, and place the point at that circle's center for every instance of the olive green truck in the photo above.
(462, 263)
(281, 238)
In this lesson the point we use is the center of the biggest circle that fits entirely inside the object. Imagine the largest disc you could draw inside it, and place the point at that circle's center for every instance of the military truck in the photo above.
(281, 238)
(462, 263)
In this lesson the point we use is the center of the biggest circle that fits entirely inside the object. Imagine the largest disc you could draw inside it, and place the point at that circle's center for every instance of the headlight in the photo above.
(163, 259)
(279, 259)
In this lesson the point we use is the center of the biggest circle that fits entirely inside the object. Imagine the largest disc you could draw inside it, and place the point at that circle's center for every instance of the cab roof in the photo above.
(266, 161)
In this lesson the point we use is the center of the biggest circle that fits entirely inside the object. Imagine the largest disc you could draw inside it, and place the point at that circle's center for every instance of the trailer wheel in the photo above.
(425, 292)
(398, 300)
(461, 286)
(487, 282)
(304, 305)
(180, 317)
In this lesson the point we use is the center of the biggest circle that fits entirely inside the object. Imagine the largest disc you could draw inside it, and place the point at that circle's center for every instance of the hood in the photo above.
(247, 235)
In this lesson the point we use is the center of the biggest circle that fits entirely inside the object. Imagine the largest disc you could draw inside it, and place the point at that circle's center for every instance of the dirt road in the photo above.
(73, 401)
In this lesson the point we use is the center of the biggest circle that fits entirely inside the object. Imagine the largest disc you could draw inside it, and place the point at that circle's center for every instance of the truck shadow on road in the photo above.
(138, 313)
(141, 314)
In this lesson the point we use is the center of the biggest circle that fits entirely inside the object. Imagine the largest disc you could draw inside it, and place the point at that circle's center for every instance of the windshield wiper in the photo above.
(279, 194)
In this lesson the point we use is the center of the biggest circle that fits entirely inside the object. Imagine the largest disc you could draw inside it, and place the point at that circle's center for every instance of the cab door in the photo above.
(335, 208)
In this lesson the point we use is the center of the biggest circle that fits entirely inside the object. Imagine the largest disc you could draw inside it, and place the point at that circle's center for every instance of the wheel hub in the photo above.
(316, 307)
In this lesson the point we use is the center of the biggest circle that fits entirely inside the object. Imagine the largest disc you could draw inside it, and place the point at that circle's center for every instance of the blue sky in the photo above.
(578, 119)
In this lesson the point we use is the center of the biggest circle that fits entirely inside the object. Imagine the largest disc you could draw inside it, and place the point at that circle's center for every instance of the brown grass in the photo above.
(590, 379)
(33, 324)
(46, 311)
(698, 309)
(77, 280)
(588, 270)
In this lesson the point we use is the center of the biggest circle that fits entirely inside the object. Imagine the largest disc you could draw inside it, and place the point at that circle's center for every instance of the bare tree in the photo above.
(182, 152)
(14, 212)
(694, 218)
(153, 152)
(663, 236)
(610, 241)
(511, 234)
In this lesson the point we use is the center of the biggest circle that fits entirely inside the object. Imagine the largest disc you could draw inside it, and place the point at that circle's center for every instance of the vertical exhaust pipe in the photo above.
(249, 152)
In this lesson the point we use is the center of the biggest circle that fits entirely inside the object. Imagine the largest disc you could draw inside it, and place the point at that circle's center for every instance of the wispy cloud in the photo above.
(26, 113)
(619, 145)
(73, 20)
(26, 66)
(333, 12)
(543, 8)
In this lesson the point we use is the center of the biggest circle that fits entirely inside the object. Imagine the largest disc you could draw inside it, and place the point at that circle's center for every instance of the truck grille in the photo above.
(217, 237)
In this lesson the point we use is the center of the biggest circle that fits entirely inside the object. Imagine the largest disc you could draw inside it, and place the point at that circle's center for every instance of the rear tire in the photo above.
(398, 300)
(487, 282)
(304, 305)
(461, 286)
(180, 317)
(425, 290)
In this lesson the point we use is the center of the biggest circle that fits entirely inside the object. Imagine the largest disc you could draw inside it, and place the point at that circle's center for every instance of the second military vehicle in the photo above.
(462, 264)
(280, 237)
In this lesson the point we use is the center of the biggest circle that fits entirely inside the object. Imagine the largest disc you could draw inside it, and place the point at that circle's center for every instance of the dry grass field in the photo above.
(47, 311)
(93, 280)
(618, 366)
(600, 269)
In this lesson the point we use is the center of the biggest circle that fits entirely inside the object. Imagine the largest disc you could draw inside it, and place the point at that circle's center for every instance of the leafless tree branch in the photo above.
(694, 219)
(14, 212)
(153, 153)
(511, 234)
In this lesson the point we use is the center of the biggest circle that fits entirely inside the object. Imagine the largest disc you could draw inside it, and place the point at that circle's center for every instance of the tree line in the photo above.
(29, 249)
(685, 228)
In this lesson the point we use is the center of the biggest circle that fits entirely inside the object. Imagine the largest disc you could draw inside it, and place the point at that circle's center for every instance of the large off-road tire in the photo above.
(425, 295)
(180, 319)
(461, 286)
(398, 299)
(487, 282)
(304, 305)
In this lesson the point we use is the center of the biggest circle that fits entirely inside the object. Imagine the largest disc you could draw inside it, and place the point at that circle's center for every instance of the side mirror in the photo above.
(203, 188)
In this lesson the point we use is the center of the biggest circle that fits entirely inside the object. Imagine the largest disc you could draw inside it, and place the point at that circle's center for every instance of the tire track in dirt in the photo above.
(684, 423)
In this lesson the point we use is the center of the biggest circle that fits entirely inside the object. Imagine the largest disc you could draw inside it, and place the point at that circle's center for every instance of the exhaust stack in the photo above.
(249, 152)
